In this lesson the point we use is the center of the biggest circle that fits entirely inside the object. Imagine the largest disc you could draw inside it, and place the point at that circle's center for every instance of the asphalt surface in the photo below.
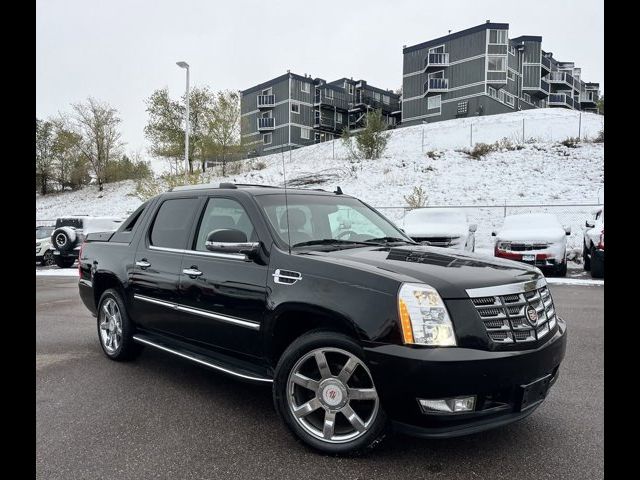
(162, 417)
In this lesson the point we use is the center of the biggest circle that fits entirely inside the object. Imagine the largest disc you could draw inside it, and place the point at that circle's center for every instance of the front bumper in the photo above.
(403, 374)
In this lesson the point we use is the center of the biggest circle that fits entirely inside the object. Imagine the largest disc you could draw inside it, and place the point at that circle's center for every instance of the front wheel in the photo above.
(47, 258)
(115, 329)
(325, 394)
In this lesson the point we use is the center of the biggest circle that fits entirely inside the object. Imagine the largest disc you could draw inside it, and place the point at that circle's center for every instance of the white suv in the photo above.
(593, 244)
(44, 250)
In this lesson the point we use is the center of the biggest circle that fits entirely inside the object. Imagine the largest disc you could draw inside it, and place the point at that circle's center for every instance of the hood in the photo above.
(448, 271)
(550, 235)
(437, 230)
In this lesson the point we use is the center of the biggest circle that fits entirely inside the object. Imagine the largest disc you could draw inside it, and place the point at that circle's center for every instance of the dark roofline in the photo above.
(268, 83)
(527, 38)
(453, 36)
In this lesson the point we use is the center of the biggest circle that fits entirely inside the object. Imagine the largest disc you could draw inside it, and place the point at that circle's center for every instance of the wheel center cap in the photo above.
(333, 394)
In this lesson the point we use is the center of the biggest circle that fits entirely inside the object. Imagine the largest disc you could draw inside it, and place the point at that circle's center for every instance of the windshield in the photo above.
(327, 220)
(433, 215)
(43, 232)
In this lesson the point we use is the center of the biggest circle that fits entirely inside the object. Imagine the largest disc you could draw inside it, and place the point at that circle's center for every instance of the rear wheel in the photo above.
(115, 329)
(586, 258)
(325, 394)
(597, 265)
(47, 258)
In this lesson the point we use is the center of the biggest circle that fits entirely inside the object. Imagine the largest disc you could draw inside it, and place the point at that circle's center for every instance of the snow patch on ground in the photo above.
(57, 272)
(575, 281)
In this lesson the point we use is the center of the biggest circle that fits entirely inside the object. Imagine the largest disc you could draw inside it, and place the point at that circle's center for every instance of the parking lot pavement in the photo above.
(161, 417)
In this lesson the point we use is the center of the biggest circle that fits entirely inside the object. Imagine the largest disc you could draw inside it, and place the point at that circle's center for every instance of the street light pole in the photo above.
(185, 65)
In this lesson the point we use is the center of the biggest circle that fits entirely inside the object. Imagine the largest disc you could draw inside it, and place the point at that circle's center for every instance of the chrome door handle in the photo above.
(143, 264)
(192, 272)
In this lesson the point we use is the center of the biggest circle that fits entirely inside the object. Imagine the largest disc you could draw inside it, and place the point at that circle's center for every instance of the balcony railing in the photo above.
(544, 85)
(321, 98)
(546, 62)
(393, 105)
(588, 97)
(266, 123)
(266, 101)
(562, 99)
(436, 60)
(561, 77)
(436, 85)
(324, 122)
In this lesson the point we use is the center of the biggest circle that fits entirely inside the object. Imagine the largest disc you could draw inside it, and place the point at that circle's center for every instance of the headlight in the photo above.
(504, 245)
(423, 316)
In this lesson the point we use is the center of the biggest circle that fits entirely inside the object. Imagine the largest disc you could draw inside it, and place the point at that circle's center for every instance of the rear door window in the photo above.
(173, 223)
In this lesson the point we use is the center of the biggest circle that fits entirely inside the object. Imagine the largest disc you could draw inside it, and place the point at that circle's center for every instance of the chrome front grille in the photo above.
(505, 316)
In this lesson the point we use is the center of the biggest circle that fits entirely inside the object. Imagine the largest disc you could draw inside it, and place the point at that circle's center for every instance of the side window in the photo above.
(172, 224)
(223, 213)
(133, 218)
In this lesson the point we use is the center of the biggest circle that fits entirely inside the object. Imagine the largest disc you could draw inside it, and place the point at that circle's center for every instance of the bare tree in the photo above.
(224, 125)
(97, 125)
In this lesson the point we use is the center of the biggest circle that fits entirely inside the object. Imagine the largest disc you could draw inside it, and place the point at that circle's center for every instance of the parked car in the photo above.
(441, 227)
(534, 238)
(593, 244)
(355, 326)
(71, 231)
(44, 250)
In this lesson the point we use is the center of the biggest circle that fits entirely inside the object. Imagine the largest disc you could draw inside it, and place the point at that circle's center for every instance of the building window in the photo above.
(463, 107)
(266, 91)
(295, 108)
(498, 37)
(349, 88)
(492, 92)
(329, 93)
(508, 99)
(526, 97)
(511, 75)
(501, 95)
(512, 50)
(496, 64)
(305, 87)
(266, 114)
(376, 96)
(305, 133)
(317, 137)
(434, 102)
(386, 99)
(338, 117)
(267, 138)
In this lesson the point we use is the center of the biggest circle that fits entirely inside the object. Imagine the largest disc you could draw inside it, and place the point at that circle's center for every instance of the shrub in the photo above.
(506, 144)
(600, 137)
(417, 197)
(125, 169)
(259, 165)
(371, 141)
(571, 142)
(480, 150)
(434, 154)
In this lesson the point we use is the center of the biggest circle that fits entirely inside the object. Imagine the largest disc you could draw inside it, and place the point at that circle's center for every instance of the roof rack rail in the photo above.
(202, 186)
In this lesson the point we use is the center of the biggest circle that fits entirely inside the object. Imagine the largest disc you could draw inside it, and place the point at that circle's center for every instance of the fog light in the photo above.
(448, 405)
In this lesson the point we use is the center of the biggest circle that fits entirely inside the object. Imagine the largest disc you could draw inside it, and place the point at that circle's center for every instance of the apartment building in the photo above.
(297, 110)
(481, 71)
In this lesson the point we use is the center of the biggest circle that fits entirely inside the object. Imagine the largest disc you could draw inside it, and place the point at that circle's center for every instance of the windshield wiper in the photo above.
(329, 241)
(385, 240)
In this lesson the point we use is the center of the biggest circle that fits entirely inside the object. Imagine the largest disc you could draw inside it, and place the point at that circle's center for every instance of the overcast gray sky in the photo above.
(120, 51)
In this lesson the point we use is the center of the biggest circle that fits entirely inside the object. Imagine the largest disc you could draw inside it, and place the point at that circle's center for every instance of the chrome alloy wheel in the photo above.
(110, 325)
(333, 408)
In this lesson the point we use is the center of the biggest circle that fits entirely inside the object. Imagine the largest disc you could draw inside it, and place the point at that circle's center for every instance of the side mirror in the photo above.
(493, 234)
(473, 227)
(588, 224)
(567, 230)
(232, 241)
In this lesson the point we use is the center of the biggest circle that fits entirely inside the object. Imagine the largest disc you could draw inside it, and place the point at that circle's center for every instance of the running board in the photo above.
(201, 359)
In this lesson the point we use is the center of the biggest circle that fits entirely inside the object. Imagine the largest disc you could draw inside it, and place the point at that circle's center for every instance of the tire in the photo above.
(64, 262)
(64, 239)
(328, 395)
(561, 270)
(48, 258)
(115, 330)
(597, 265)
(586, 258)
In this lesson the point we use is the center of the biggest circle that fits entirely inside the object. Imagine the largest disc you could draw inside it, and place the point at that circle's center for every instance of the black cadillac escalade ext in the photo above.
(358, 328)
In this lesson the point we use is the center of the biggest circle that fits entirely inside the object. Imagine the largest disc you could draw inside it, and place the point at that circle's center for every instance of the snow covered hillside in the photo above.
(541, 171)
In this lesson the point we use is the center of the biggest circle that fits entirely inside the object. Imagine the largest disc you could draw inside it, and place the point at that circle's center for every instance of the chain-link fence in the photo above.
(491, 217)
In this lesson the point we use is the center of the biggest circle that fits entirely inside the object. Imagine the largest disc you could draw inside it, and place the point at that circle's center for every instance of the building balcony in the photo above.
(561, 78)
(436, 85)
(588, 99)
(368, 101)
(539, 91)
(332, 100)
(562, 100)
(436, 60)
(545, 62)
(266, 101)
(324, 123)
(266, 124)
